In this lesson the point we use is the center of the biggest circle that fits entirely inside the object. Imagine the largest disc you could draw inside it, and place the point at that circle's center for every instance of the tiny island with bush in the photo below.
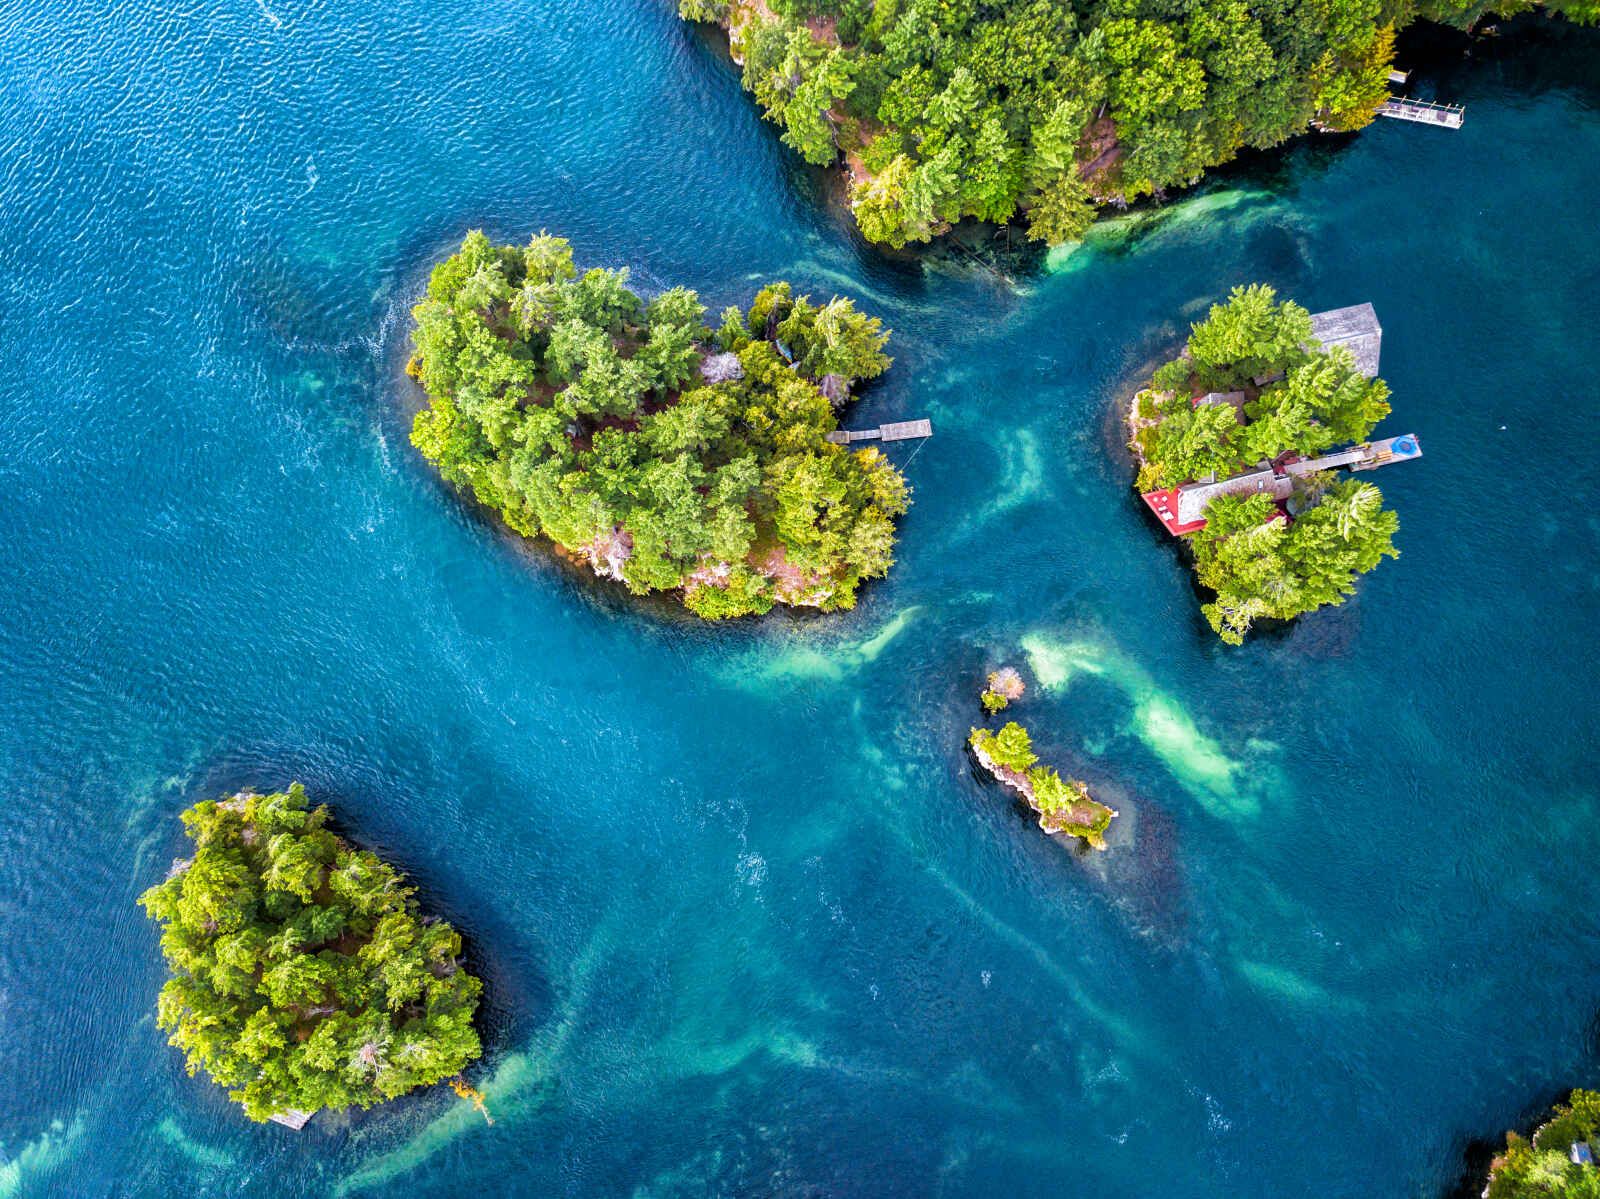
(1235, 441)
(667, 456)
(1558, 1162)
(302, 974)
(1062, 805)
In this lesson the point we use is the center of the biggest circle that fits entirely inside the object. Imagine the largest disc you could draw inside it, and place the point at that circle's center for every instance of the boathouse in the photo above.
(1356, 329)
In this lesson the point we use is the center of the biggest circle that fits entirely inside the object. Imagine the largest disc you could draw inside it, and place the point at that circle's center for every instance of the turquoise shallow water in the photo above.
(749, 923)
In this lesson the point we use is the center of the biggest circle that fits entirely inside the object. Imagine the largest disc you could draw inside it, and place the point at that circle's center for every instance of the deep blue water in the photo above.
(748, 922)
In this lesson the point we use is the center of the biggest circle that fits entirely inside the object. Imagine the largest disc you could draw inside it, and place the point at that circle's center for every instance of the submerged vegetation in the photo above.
(1558, 1162)
(1266, 556)
(303, 976)
(1063, 805)
(943, 109)
(666, 455)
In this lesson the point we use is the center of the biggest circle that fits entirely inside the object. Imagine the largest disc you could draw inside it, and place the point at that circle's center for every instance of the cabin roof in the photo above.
(1193, 497)
(1356, 329)
(1235, 399)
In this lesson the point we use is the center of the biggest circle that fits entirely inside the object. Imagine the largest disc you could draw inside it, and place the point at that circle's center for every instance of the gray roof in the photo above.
(1193, 497)
(1356, 329)
(1234, 399)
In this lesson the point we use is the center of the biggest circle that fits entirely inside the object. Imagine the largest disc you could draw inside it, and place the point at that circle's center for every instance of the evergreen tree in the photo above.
(950, 108)
(303, 976)
(624, 432)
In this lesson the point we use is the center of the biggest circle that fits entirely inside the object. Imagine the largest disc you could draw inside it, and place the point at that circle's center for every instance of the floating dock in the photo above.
(291, 1118)
(900, 430)
(1425, 112)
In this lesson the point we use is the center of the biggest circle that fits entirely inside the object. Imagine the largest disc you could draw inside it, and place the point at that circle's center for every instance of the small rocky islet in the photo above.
(1063, 806)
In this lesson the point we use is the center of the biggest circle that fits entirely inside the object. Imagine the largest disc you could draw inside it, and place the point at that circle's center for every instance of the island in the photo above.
(1233, 439)
(1062, 805)
(1558, 1162)
(1005, 686)
(667, 456)
(302, 975)
(945, 109)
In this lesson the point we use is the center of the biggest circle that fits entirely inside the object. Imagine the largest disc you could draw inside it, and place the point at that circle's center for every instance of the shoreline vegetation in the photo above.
(1557, 1161)
(303, 975)
(940, 110)
(1252, 390)
(1062, 805)
(666, 455)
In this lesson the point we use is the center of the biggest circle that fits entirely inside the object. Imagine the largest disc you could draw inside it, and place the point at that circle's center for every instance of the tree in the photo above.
(1542, 1168)
(292, 952)
(1011, 748)
(1248, 337)
(952, 108)
(889, 209)
(1061, 211)
(582, 414)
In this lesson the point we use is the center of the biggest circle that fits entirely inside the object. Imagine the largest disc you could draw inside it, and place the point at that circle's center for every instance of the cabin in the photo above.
(1235, 399)
(1356, 329)
(1182, 509)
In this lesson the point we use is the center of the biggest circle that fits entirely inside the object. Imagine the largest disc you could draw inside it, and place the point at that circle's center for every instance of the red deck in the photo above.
(1165, 505)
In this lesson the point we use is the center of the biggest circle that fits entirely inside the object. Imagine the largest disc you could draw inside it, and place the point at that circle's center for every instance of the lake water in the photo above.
(749, 924)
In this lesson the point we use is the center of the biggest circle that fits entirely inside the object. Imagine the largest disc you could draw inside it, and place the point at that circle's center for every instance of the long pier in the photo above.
(900, 430)
(1182, 509)
(1425, 112)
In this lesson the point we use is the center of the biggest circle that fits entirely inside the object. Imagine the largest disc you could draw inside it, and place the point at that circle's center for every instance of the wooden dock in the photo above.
(900, 430)
(1425, 112)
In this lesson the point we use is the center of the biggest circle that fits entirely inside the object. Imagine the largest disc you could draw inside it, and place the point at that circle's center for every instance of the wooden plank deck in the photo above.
(900, 430)
(906, 430)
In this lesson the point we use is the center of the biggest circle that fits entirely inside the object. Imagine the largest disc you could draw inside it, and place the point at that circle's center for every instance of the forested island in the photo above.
(1062, 805)
(1558, 1162)
(666, 455)
(943, 109)
(302, 974)
(1230, 438)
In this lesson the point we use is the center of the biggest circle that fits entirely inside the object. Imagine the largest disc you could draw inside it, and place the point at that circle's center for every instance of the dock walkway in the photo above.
(900, 430)
(1425, 112)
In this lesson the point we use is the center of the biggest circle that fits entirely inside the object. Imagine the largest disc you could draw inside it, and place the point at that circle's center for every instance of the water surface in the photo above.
(748, 922)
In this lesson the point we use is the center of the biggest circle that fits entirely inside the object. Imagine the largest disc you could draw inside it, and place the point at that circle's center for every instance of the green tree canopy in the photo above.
(302, 975)
(946, 109)
(1310, 399)
(668, 457)
(1062, 805)
(1543, 1167)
